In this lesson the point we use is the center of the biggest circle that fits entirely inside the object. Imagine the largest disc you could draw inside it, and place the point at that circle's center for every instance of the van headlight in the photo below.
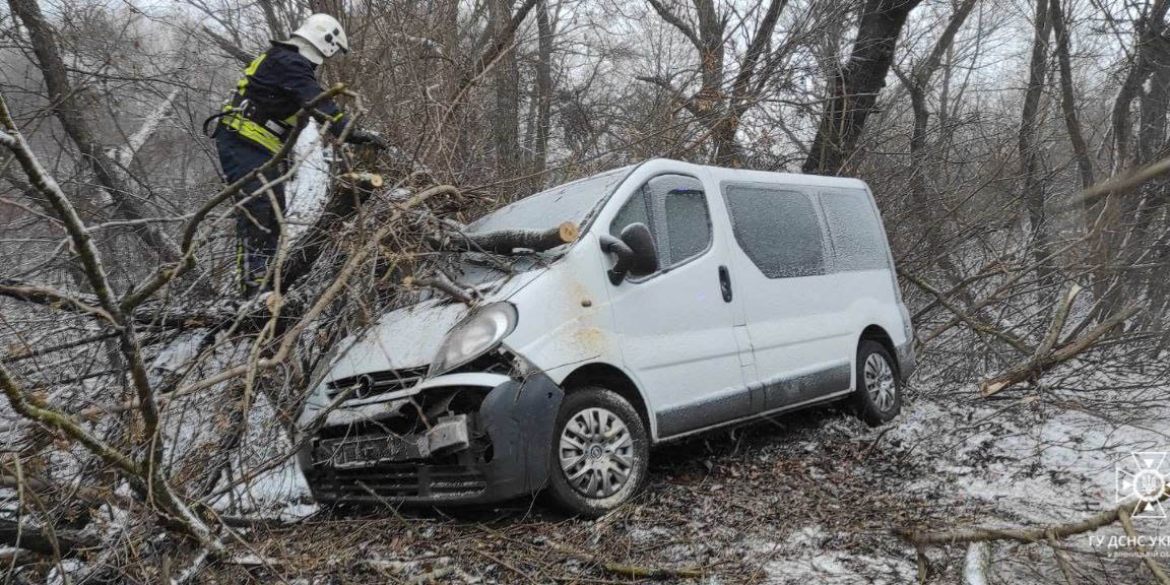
(474, 336)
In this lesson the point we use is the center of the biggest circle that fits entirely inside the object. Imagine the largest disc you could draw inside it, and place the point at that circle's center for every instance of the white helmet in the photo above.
(325, 33)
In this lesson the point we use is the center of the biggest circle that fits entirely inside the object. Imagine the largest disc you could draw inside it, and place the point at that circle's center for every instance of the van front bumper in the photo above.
(516, 419)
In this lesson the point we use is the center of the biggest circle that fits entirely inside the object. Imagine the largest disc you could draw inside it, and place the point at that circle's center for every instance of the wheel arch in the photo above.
(876, 333)
(611, 378)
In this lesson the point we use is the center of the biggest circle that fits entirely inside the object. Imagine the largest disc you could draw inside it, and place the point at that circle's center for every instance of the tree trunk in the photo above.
(1068, 98)
(727, 150)
(274, 27)
(1032, 193)
(1153, 200)
(544, 88)
(918, 84)
(1148, 29)
(70, 111)
(1110, 243)
(506, 115)
(854, 88)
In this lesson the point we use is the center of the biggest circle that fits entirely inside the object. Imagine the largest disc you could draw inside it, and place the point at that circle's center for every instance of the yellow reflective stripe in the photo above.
(338, 117)
(252, 131)
(248, 71)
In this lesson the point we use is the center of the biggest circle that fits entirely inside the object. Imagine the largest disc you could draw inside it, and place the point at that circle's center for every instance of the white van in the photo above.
(695, 297)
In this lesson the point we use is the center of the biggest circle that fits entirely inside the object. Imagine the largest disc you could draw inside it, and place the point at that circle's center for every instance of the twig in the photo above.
(1148, 559)
(1028, 535)
(1037, 365)
(627, 570)
(443, 284)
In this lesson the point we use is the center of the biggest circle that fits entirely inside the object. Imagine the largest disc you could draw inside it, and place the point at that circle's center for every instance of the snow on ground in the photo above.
(811, 497)
(279, 493)
(801, 559)
(1038, 463)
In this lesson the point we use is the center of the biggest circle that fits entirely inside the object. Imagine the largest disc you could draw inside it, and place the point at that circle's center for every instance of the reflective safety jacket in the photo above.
(275, 86)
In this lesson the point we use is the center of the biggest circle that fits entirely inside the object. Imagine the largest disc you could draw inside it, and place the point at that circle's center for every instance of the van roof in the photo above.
(729, 174)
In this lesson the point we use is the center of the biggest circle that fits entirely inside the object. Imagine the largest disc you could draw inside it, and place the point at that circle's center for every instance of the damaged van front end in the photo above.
(464, 438)
(441, 402)
(469, 426)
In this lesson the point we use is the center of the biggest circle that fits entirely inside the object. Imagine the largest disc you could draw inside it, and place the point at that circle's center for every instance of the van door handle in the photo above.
(725, 283)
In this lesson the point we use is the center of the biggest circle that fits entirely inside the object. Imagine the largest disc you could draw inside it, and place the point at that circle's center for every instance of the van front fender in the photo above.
(519, 416)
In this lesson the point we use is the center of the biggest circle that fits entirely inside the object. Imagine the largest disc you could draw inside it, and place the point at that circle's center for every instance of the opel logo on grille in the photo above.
(365, 387)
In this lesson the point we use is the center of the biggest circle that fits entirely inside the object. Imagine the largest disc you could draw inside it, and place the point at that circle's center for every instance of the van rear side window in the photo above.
(854, 231)
(777, 229)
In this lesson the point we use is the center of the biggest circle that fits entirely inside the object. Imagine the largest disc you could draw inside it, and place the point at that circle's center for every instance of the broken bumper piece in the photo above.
(500, 451)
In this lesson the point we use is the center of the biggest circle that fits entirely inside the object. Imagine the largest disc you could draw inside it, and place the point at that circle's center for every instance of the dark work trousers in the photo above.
(257, 225)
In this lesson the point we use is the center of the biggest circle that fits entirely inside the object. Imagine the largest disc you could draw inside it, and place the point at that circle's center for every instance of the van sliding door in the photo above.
(794, 312)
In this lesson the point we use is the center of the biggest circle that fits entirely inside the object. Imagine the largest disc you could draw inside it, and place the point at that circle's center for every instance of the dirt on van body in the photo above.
(806, 498)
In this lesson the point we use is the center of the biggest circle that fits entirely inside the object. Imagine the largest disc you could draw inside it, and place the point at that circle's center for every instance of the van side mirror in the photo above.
(635, 251)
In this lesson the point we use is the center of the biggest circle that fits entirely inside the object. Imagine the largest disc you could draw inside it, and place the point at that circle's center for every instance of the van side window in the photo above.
(777, 229)
(854, 231)
(674, 207)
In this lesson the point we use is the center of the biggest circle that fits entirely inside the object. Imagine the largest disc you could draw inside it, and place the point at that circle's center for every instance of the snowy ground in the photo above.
(807, 498)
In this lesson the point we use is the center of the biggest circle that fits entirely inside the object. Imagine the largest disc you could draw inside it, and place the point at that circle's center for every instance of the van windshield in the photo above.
(575, 202)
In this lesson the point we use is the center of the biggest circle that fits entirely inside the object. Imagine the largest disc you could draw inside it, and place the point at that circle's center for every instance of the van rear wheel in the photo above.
(878, 396)
(600, 452)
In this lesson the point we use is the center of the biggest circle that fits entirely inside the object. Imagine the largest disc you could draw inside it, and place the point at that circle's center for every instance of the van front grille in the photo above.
(376, 383)
(396, 482)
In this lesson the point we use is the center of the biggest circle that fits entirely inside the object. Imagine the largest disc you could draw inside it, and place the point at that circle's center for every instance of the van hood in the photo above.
(410, 337)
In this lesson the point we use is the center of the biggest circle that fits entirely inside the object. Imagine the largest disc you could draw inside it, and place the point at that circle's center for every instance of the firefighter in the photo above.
(254, 124)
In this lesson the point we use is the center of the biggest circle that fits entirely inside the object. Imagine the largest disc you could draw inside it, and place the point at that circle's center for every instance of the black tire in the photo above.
(878, 395)
(605, 459)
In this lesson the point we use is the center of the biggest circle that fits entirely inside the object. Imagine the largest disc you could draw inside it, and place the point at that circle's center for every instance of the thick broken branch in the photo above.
(361, 180)
(293, 333)
(1039, 363)
(1148, 559)
(1029, 535)
(49, 297)
(64, 542)
(506, 241)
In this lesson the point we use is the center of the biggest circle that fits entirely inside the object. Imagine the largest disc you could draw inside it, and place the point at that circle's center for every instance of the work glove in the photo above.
(369, 137)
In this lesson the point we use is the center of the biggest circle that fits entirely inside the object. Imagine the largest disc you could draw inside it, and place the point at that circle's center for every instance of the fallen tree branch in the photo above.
(627, 570)
(361, 180)
(91, 496)
(290, 337)
(1038, 364)
(442, 284)
(31, 538)
(977, 563)
(1148, 559)
(971, 321)
(506, 241)
(46, 296)
(1029, 535)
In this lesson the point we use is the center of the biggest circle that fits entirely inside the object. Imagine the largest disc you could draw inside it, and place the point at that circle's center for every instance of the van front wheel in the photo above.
(599, 453)
(878, 397)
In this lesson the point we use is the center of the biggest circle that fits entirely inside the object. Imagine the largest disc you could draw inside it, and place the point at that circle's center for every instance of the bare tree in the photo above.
(854, 87)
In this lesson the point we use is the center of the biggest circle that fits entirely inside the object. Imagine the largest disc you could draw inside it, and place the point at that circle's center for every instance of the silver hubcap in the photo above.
(596, 452)
(879, 382)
